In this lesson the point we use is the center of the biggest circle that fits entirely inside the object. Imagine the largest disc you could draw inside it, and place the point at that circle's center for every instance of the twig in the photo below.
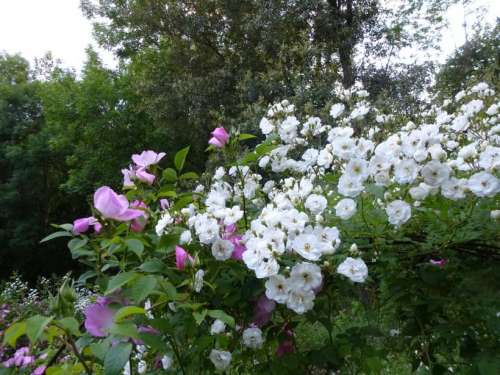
(79, 356)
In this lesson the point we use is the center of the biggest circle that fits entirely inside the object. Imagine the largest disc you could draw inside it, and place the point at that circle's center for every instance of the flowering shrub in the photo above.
(324, 224)
(19, 301)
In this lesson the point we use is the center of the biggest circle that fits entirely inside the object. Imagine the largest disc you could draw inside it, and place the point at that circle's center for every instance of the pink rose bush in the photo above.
(224, 272)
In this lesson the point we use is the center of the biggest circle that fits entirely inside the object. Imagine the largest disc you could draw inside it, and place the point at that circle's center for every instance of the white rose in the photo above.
(218, 326)
(220, 358)
(399, 212)
(252, 338)
(345, 208)
(315, 203)
(355, 269)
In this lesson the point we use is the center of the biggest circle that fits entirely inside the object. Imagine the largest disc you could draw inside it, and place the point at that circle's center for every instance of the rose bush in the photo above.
(337, 243)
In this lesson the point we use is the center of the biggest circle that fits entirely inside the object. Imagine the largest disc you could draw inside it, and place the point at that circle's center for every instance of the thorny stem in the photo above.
(79, 356)
(56, 355)
(242, 180)
(177, 354)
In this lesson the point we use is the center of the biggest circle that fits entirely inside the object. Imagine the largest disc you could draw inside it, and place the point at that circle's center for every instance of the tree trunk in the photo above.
(345, 55)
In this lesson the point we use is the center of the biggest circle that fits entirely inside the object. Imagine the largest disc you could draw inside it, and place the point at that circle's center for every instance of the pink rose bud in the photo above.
(219, 137)
(239, 247)
(181, 256)
(164, 204)
(83, 224)
(140, 222)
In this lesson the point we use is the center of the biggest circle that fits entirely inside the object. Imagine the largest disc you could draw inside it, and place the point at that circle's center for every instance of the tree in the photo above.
(29, 177)
(478, 59)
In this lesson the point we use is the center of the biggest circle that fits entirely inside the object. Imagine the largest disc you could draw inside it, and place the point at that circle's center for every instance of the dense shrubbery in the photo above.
(350, 241)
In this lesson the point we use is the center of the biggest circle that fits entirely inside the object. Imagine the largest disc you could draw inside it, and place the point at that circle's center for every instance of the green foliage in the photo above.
(477, 60)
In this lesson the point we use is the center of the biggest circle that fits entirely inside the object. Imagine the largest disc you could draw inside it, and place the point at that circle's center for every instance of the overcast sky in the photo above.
(33, 27)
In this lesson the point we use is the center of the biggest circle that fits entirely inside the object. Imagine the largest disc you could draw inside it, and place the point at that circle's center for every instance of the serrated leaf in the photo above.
(167, 193)
(183, 202)
(142, 288)
(264, 149)
(77, 243)
(167, 243)
(124, 329)
(170, 175)
(99, 349)
(119, 280)
(189, 176)
(136, 246)
(199, 317)
(248, 158)
(153, 341)
(153, 266)
(71, 325)
(180, 158)
(12, 333)
(221, 315)
(116, 358)
(35, 326)
(169, 289)
(126, 311)
(61, 233)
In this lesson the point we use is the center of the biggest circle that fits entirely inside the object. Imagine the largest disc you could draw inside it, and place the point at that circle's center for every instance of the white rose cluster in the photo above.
(320, 173)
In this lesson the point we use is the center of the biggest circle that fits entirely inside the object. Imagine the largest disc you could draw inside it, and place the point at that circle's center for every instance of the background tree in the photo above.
(29, 177)
(478, 59)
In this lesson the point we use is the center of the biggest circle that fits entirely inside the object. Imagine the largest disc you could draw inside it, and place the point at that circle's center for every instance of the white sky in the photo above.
(33, 27)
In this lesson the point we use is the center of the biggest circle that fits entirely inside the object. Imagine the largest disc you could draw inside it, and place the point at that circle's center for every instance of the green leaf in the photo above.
(99, 349)
(143, 288)
(119, 280)
(167, 243)
(35, 326)
(116, 358)
(221, 315)
(167, 193)
(245, 136)
(126, 311)
(180, 158)
(124, 329)
(135, 246)
(85, 276)
(67, 227)
(183, 201)
(161, 324)
(77, 243)
(248, 158)
(154, 341)
(61, 233)
(189, 176)
(169, 289)
(153, 266)
(199, 317)
(14, 332)
(170, 175)
(71, 325)
(264, 149)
